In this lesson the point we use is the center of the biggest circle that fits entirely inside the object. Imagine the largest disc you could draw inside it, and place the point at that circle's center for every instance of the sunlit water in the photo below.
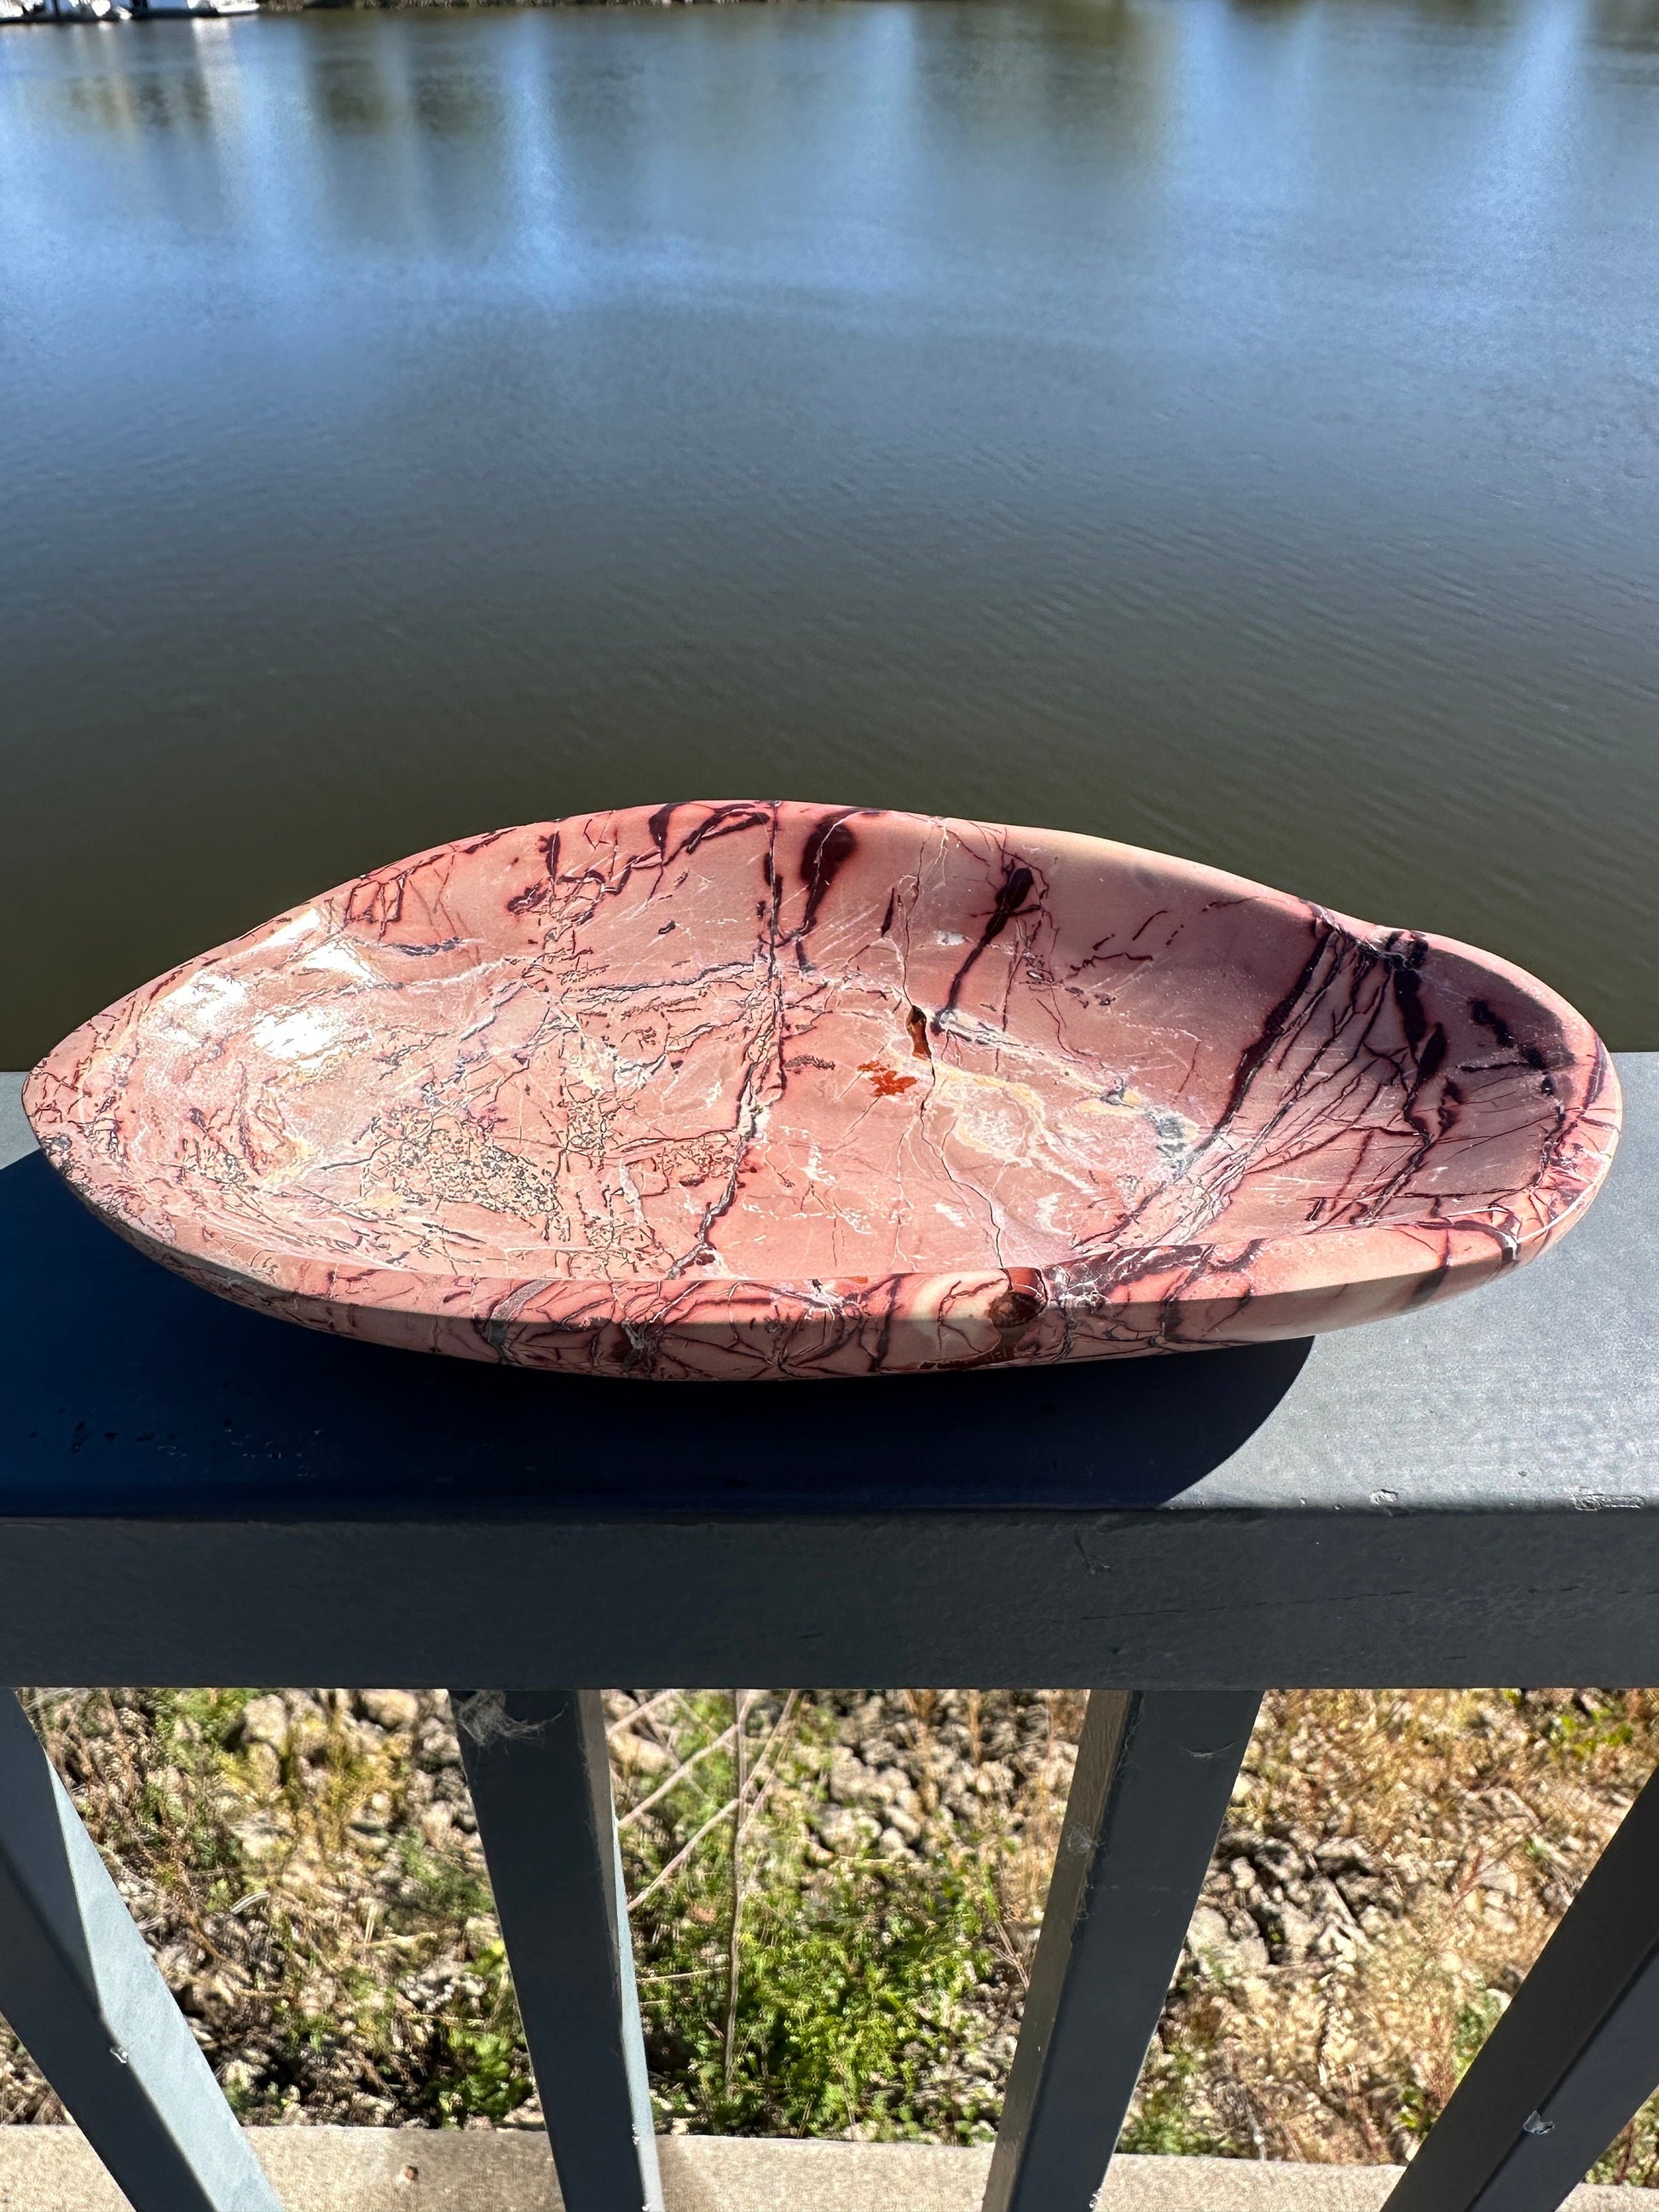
(1234, 429)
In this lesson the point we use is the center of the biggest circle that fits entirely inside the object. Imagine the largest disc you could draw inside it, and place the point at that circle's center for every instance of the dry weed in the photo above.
(1392, 1863)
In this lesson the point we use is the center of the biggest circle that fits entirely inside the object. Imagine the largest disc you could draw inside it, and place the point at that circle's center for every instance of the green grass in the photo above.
(482, 2069)
(849, 1992)
(851, 1980)
(450, 1888)
(1163, 2122)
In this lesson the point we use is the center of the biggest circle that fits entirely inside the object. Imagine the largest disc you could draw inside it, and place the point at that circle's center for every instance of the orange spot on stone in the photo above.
(882, 1080)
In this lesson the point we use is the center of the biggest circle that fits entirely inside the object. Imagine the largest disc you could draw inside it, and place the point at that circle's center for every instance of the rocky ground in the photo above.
(307, 1867)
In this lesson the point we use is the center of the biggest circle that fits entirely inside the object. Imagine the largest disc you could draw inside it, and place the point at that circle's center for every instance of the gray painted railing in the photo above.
(190, 1494)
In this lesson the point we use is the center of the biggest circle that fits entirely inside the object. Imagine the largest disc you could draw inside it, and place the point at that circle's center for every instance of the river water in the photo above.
(1231, 427)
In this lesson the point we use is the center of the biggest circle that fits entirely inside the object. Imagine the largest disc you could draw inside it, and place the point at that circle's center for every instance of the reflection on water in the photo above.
(103, 91)
(1229, 424)
(1633, 23)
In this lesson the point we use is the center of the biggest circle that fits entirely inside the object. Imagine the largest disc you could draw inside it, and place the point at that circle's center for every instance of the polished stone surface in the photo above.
(756, 1089)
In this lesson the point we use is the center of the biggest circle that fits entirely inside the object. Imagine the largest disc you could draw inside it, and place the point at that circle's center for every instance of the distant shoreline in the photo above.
(482, 7)
(30, 13)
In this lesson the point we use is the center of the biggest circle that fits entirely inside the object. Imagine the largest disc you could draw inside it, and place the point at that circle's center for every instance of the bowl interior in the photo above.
(793, 1042)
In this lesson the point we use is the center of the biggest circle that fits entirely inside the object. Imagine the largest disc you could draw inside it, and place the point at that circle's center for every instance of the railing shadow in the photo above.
(139, 1393)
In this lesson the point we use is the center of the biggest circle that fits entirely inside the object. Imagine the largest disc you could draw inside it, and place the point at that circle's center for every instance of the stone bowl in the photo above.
(771, 1090)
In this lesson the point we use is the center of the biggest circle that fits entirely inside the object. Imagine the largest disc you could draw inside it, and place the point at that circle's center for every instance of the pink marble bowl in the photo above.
(777, 1092)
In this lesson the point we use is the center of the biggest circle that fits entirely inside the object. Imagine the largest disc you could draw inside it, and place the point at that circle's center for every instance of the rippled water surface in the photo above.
(1231, 427)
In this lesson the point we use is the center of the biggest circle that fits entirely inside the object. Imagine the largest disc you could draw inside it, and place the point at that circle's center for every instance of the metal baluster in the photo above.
(1576, 2054)
(1154, 1772)
(540, 1776)
(81, 1989)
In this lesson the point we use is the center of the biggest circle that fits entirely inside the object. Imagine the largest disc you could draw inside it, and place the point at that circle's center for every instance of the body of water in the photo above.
(1231, 427)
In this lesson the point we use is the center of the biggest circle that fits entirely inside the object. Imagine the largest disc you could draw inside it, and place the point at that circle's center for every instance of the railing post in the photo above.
(1573, 2057)
(1154, 1772)
(540, 1776)
(81, 1989)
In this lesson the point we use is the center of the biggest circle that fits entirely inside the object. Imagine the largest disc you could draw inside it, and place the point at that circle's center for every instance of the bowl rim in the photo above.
(1336, 1259)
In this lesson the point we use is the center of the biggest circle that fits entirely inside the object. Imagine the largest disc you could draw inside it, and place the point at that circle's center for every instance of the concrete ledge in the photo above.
(419, 2170)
